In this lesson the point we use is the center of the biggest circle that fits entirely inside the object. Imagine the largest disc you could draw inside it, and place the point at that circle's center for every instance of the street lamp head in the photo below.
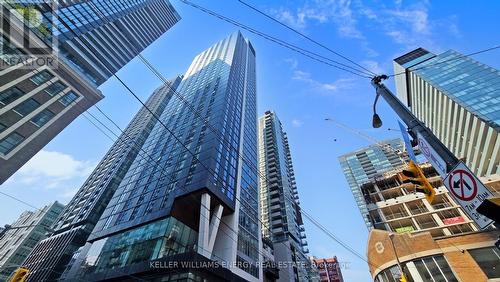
(376, 121)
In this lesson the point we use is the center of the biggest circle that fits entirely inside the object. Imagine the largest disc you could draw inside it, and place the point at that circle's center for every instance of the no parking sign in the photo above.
(469, 192)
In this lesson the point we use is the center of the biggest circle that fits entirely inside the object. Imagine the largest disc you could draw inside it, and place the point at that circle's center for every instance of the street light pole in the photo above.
(414, 124)
(402, 278)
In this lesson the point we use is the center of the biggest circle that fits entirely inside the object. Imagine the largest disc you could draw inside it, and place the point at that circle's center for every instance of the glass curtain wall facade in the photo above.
(81, 44)
(98, 37)
(458, 98)
(22, 236)
(72, 228)
(365, 164)
(192, 154)
(279, 200)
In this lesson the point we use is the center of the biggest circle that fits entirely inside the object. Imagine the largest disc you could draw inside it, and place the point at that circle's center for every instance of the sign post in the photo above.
(469, 192)
(406, 138)
(432, 156)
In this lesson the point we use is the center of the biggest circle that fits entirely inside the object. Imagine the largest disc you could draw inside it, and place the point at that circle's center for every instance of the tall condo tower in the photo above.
(192, 197)
(20, 237)
(364, 165)
(279, 201)
(458, 98)
(54, 54)
(50, 257)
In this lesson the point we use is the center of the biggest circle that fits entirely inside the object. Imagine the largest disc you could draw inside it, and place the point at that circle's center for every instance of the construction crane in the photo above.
(365, 136)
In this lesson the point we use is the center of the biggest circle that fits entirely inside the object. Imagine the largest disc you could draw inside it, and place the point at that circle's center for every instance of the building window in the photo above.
(55, 88)
(10, 95)
(11, 54)
(2, 127)
(390, 275)
(434, 269)
(488, 259)
(10, 142)
(41, 77)
(26, 107)
(42, 118)
(69, 98)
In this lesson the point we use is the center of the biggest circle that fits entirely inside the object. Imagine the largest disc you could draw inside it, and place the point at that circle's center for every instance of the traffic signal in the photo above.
(414, 174)
(402, 278)
(19, 275)
(490, 208)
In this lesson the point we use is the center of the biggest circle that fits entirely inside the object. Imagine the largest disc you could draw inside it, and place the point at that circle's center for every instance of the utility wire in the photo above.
(305, 36)
(154, 115)
(449, 60)
(263, 177)
(161, 122)
(309, 54)
(157, 73)
(316, 223)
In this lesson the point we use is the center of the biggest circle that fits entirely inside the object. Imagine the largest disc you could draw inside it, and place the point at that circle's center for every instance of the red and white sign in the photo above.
(469, 192)
(453, 220)
(463, 185)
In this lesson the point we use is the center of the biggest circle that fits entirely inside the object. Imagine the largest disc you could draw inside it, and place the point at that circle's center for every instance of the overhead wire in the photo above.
(173, 135)
(312, 55)
(115, 124)
(447, 61)
(305, 36)
(131, 92)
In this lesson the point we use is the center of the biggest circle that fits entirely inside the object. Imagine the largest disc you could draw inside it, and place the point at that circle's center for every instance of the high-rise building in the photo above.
(363, 165)
(469, 256)
(458, 98)
(98, 37)
(22, 236)
(50, 257)
(394, 206)
(329, 269)
(53, 56)
(192, 199)
(279, 201)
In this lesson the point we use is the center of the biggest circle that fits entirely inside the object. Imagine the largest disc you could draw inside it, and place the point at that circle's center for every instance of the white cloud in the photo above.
(292, 62)
(295, 20)
(409, 25)
(297, 123)
(52, 170)
(338, 12)
(323, 87)
(374, 66)
(69, 193)
(417, 19)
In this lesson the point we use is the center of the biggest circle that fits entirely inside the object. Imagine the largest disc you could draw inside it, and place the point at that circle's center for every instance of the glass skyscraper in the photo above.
(192, 197)
(279, 201)
(49, 258)
(458, 98)
(99, 37)
(20, 237)
(364, 165)
(79, 45)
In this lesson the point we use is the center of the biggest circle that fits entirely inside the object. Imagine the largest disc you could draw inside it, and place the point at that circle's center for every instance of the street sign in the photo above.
(406, 138)
(469, 192)
(437, 162)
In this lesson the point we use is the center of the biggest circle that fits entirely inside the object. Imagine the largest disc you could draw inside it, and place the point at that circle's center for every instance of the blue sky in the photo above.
(302, 92)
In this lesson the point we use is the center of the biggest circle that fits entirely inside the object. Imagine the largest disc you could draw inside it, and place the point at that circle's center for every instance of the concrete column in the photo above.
(214, 226)
(204, 226)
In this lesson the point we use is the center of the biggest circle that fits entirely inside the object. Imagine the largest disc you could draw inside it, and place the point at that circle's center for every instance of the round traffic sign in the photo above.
(423, 147)
(462, 184)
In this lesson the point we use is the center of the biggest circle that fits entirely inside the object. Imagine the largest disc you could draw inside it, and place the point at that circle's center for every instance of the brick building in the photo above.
(329, 269)
(465, 257)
